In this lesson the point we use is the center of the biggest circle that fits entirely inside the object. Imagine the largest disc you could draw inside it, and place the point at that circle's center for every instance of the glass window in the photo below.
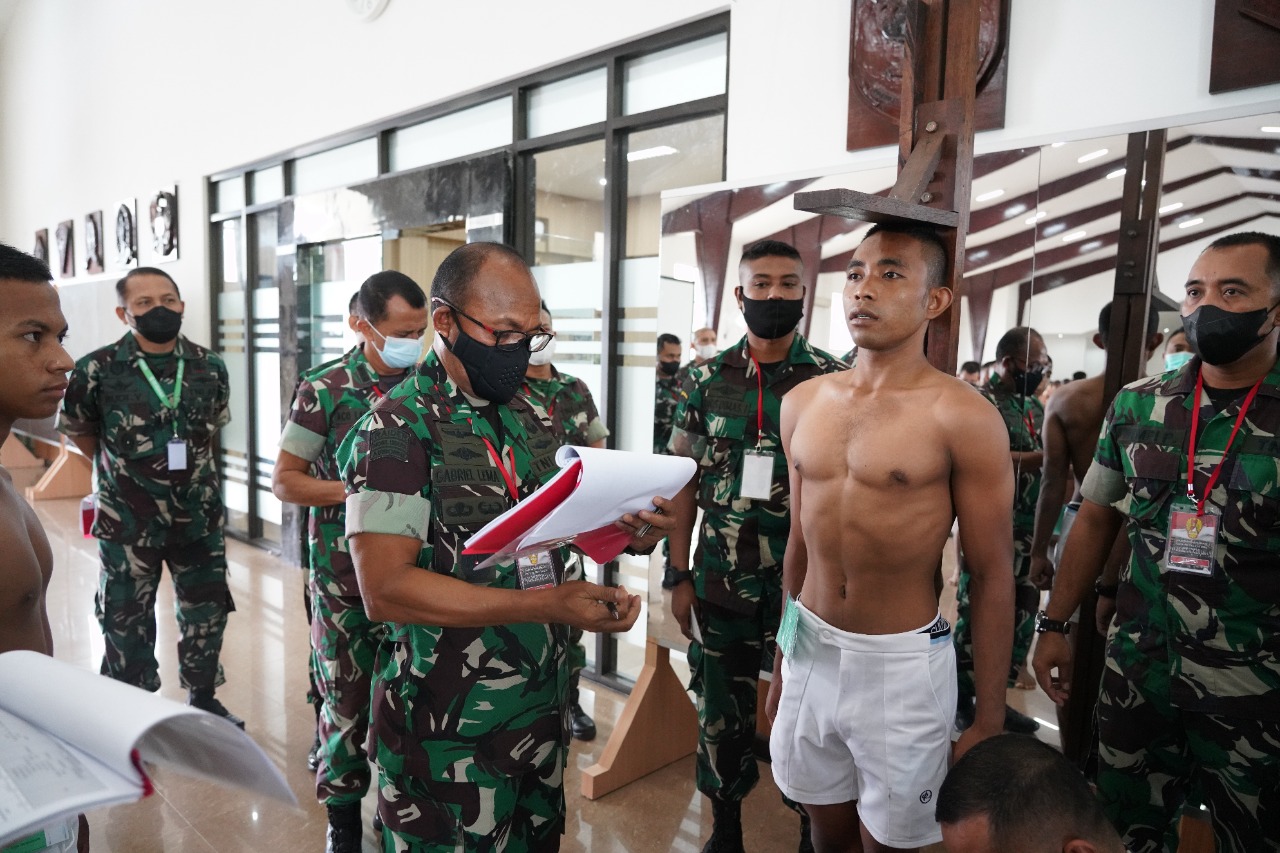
(268, 184)
(336, 167)
(569, 205)
(229, 194)
(468, 131)
(233, 439)
(678, 155)
(686, 72)
(566, 104)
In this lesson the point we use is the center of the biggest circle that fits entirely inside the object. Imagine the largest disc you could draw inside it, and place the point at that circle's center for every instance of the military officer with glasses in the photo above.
(468, 727)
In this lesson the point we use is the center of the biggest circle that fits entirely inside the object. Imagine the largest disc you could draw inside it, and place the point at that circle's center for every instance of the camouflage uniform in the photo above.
(344, 642)
(578, 423)
(737, 568)
(469, 730)
(148, 514)
(1024, 419)
(665, 399)
(313, 687)
(1190, 696)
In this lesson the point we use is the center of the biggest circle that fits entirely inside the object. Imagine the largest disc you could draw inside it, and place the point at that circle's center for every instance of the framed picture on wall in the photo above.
(65, 239)
(93, 242)
(163, 213)
(41, 248)
(126, 242)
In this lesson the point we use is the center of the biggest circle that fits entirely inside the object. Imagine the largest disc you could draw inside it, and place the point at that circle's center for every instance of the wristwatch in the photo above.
(1044, 623)
(1105, 590)
(673, 577)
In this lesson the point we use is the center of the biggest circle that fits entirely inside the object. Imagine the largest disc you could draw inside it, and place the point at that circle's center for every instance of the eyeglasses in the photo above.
(507, 340)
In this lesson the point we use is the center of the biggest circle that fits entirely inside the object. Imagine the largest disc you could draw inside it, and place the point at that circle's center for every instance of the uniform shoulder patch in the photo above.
(389, 444)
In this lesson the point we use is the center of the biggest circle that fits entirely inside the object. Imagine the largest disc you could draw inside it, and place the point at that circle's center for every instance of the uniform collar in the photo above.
(361, 370)
(1183, 380)
(739, 355)
(128, 350)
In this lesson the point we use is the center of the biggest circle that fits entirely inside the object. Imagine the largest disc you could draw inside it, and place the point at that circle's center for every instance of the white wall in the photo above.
(109, 100)
(115, 99)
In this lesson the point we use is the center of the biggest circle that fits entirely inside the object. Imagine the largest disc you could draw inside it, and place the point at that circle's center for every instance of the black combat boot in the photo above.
(1018, 722)
(726, 827)
(345, 829)
(202, 698)
(580, 725)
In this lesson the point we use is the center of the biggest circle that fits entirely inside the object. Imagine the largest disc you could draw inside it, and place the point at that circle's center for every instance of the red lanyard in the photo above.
(759, 402)
(1191, 455)
(1029, 418)
(509, 476)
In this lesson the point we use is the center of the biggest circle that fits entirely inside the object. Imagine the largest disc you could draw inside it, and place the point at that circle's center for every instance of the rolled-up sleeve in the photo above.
(386, 468)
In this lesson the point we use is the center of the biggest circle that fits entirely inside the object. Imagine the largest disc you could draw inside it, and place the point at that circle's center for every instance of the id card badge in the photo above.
(536, 571)
(177, 454)
(757, 475)
(1192, 539)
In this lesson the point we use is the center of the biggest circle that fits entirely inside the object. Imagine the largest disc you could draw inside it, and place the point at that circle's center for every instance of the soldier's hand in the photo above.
(1041, 573)
(586, 605)
(683, 601)
(1053, 652)
(970, 738)
(1103, 613)
(648, 528)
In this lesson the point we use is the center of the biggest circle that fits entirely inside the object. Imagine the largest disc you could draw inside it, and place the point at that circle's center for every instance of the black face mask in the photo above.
(159, 325)
(1221, 337)
(772, 318)
(495, 375)
(1025, 382)
(670, 368)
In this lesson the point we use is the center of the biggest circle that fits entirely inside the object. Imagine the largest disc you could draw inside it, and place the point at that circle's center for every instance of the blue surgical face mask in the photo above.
(399, 353)
(1175, 360)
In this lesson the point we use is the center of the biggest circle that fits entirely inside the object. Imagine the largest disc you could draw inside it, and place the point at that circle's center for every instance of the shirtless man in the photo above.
(35, 368)
(883, 459)
(1071, 423)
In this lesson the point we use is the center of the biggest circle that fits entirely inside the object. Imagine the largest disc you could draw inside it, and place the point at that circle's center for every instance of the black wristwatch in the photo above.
(1105, 590)
(1044, 623)
(673, 577)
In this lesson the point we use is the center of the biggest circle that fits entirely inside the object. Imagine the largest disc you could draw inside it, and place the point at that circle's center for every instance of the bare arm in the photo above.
(599, 443)
(795, 561)
(1057, 466)
(1092, 536)
(395, 589)
(982, 486)
(292, 482)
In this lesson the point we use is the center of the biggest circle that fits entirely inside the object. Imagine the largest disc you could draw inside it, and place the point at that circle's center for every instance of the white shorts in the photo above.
(868, 718)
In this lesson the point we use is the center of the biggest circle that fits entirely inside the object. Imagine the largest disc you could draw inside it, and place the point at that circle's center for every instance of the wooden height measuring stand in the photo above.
(935, 149)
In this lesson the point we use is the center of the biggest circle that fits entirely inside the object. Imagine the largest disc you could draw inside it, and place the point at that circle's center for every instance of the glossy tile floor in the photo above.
(264, 658)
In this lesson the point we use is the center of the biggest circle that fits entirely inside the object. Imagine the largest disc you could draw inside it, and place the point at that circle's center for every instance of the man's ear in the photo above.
(938, 301)
(1097, 341)
(120, 314)
(442, 321)
(737, 293)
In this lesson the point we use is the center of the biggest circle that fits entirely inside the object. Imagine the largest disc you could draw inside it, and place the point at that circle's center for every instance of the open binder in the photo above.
(580, 504)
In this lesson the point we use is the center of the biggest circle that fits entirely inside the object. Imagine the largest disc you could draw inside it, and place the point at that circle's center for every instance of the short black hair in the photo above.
(123, 284)
(970, 367)
(768, 249)
(1104, 320)
(1014, 341)
(987, 364)
(354, 304)
(453, 279)
(1178, 331)
(1270, 242)
(17, 265)
(666, 339)
(935, 256)
(1079, 374)
(380, 287)
(1032, 796)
